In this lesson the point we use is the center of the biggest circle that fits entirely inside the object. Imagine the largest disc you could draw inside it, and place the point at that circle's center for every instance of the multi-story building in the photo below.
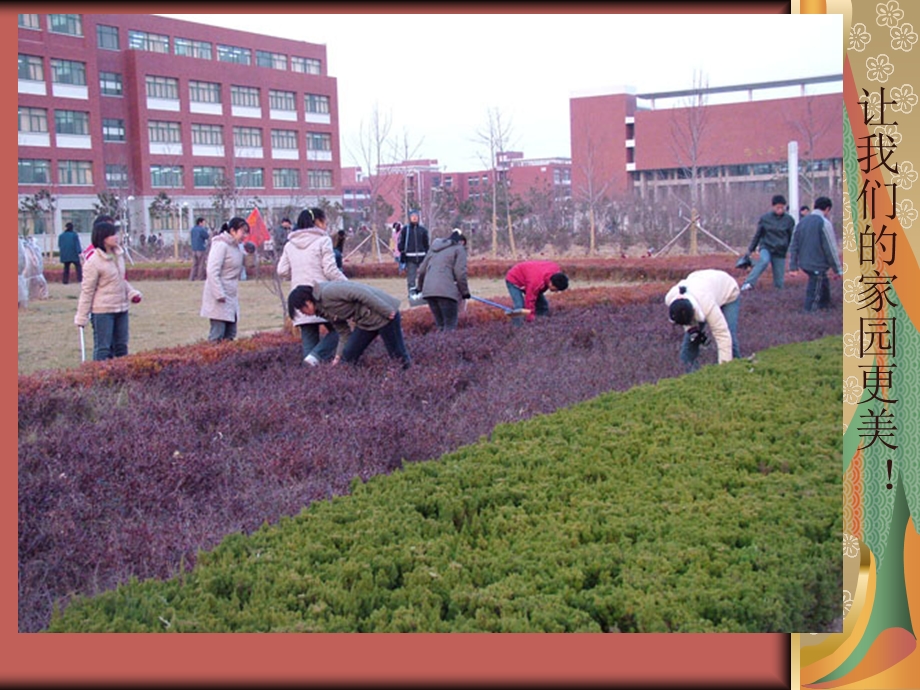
(626, 144)
(210, 120)
(447, 197)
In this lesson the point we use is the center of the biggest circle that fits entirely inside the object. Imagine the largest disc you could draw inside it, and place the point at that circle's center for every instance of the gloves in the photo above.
(466, 296)
(402, 258)
(698, 336)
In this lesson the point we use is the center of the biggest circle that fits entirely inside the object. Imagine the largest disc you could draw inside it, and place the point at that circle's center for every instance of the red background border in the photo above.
(711, 661)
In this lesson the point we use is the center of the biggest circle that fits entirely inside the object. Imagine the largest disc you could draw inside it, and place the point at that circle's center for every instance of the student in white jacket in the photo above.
(308, 258)
(707, 297)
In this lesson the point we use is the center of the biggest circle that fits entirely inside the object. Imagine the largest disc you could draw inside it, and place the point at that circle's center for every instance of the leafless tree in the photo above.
(809, 129)
(689, 125)
(592, 191)
(495, 137)
(372, 151)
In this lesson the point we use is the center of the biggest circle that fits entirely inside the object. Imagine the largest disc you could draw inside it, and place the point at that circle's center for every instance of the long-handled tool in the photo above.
(82, 346)
(508, 310)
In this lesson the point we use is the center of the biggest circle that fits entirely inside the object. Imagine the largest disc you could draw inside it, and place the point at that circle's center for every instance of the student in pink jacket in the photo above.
(105, 294)
(309, 258)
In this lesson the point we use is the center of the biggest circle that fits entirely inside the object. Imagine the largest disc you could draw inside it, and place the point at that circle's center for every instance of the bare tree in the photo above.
(372, 151)
(592, 191)
(688, 141)
(495, 137)
(810, 128)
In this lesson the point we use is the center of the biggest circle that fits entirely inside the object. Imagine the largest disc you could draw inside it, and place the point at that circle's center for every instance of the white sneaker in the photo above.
(311, 360)
(746, 286)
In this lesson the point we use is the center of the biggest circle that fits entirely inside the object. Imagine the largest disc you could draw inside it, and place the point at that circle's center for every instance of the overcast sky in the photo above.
(437, 75)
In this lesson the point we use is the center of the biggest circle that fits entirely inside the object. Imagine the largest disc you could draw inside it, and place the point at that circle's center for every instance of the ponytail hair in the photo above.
(309, 216)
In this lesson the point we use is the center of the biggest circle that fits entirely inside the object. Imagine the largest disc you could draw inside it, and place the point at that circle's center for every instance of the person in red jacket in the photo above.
(528, 280)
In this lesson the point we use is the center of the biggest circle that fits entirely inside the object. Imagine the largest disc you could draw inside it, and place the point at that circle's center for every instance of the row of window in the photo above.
(203, 176)
(31, 68)
(107, 38)
(35, 120)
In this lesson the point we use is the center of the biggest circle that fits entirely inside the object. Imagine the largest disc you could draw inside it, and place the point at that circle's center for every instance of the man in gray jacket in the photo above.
(371, 310)
(442, 279)
(814, 251)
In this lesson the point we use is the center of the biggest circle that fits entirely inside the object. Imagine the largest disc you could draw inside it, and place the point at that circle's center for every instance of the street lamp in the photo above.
(176, 231)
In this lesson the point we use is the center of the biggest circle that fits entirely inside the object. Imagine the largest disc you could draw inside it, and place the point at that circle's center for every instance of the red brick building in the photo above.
(140, 105)
(625, 144)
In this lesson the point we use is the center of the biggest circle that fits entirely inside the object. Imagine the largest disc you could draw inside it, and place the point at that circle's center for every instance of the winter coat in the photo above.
(774, 233)
(413, 243)
(104, 289)
(225, 264)
(69, 247)
(200, 237)
(443, 272)
(308, 259)
(708, 291)
(533, 278)
(343, 301)
(814, 247)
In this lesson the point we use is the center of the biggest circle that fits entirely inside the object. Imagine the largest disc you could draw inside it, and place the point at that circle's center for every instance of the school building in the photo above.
(173, 118)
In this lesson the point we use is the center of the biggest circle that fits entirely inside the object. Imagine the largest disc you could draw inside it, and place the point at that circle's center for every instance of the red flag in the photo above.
(258, 231)
(88, 252)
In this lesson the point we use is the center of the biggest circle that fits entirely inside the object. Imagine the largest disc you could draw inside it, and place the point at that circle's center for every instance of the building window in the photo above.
(34, 171)
(247, 96)
(71, 122)
(273, 60)
(116, 176)
(249, 177)
(286, 178)
(241, 56)
(33, 119)
(315, 103)
(68, 72)
(195, 49)
(107, 37)
(154, 43)
(75, 172)
(448, 181)
(166, 176)
(71, 24)
(203, 92)
(319, 179)
(284, 139)
(281, 100)
(30, 67)
(306, 65)
(164, 132)
(208, 135)
(163, 87)
(319, 142)
(110, 84)
(249, 137)
(207, 175)
(472, 181)
(113, 130)
(29, 21)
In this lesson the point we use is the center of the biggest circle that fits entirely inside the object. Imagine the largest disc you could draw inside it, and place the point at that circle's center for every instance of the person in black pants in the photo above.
(69, 248)
(413, 246)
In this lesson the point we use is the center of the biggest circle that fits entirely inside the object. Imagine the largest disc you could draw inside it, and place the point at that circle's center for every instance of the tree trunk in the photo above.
(592, 231)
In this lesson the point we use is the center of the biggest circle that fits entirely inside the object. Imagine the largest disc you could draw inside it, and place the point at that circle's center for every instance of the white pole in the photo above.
(793, 149)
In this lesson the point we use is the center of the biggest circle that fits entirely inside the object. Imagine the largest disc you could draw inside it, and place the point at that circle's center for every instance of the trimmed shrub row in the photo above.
(699, 504)
(126, 473)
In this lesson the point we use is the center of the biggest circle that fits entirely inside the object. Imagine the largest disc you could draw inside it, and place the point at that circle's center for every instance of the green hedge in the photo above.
(711, 502)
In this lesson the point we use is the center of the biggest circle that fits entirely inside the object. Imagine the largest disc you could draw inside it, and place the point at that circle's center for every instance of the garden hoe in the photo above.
(508, 310)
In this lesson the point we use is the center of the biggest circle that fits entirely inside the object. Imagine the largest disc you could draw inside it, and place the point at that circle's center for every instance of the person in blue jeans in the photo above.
(105, 294)
(706, 298)
(774, 234)
(372, 311)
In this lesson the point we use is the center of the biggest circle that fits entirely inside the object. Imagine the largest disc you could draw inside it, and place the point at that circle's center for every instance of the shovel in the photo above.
(508, 310)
